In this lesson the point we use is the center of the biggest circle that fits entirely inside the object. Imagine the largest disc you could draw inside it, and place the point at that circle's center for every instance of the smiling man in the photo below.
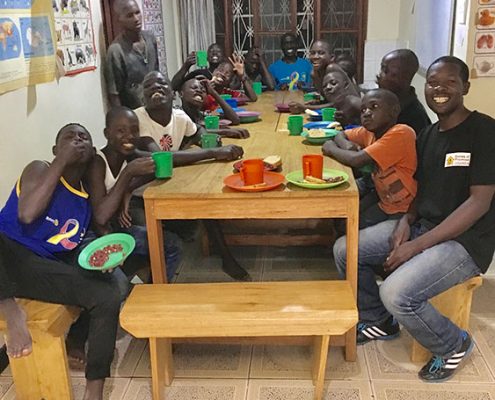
(446, 237)
(130, 57)
(282, 69)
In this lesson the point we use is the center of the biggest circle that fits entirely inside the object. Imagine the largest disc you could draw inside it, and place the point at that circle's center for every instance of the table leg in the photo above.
(155, 243)
(162, 369)
(320, 353)
(352, 237)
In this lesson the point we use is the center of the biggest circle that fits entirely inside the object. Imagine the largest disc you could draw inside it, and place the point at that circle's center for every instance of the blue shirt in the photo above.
(61, 227)
(281, 71)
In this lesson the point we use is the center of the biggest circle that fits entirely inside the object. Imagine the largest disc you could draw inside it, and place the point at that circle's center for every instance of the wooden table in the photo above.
(197, 192)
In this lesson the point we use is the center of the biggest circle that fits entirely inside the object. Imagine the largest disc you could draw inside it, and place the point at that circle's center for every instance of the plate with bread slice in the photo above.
(271, 163)
(319, 135)
(330, 178)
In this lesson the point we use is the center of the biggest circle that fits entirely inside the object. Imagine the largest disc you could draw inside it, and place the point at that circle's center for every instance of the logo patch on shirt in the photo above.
(457, 160)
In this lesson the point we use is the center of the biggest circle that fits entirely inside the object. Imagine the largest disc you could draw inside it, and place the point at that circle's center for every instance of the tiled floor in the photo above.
(233, 372)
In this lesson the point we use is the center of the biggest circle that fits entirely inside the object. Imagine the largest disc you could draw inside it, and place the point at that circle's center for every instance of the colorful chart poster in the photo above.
(27, 43)
(75, 36)
(484, 46)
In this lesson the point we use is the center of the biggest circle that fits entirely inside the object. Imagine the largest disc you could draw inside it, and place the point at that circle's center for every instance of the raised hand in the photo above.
(190, 60)
(238, 63)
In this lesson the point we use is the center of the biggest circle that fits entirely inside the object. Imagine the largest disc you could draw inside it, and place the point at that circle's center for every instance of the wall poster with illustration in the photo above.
(75, 36)
(484, 47)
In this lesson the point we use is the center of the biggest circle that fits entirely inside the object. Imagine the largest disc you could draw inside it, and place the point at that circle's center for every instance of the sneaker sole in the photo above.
(464, 359)
(384, 338)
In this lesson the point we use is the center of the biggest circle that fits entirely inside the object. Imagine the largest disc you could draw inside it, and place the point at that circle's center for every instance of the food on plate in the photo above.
(100, 257)
(313, 179)
(316, 133)
(311, 112)
(274, 161)
(255, 186)
(335, 125)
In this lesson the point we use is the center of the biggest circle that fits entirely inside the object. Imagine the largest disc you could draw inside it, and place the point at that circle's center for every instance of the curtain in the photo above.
(197, 19)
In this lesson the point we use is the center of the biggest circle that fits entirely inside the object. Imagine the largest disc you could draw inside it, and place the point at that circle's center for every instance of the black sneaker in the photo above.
(440, 369)
(387, 330)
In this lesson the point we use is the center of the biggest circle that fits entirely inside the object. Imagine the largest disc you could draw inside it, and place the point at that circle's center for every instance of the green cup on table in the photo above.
(226, 96)
(328, 114)
(257, 88)
(164, 164)
(295, 124)
(212, 122)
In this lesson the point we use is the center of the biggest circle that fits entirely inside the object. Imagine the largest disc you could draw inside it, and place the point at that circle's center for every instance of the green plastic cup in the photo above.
(295, 124)
(212, 122)
(257, 87)
(210, 140)
(226, 96)
(308, 97)
(328, 114)
(164, 164)
(202, 58)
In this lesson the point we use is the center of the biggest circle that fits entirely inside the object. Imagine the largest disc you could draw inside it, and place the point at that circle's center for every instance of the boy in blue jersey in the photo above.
(41, 226)
(282, 69)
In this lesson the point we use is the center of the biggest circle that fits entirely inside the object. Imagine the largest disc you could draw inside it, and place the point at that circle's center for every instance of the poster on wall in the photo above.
(484, 46)
(153, 22)
(27, 43)
(75, 36)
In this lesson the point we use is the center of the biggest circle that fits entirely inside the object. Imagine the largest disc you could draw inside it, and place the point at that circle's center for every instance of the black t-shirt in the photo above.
(413, 113)
(449, 162)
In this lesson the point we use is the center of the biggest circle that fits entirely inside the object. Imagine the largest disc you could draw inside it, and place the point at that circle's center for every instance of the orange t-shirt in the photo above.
(395, 155)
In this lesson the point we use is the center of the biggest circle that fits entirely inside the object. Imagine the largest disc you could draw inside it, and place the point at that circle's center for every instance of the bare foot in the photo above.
(232, 268)
(94, 389)
(18, 338)
(76, 356)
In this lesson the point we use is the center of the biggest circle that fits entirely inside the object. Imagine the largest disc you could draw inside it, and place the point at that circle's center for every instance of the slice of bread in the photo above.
(274, 161)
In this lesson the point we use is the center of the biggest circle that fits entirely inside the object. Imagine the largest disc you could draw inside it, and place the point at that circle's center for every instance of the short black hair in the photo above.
(325, 42)
(408, 60)
(61, 130)
(390, 97)
(119, 5)
(114, 113)
(286, 35)
(156, 72)
(214, 45)
(463, 68)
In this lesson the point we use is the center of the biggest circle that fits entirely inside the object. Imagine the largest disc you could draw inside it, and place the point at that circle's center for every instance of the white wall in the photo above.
(30, 117)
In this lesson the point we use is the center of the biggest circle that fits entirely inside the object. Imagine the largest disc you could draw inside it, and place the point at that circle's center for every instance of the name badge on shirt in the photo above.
(457, 160)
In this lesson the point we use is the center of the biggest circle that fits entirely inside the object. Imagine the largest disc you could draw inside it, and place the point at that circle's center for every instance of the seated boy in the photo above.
(42, 224)
(222, 78)
(390, 147)
(341, 94)
(214, 55)
(320, 55)
(256, 69)
(113, 173)
(193, 95)
(169, 127)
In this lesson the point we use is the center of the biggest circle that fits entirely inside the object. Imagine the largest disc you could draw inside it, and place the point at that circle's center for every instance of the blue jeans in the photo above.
(405, 293)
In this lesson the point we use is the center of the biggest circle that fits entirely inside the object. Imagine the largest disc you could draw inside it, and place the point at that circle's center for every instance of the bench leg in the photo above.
(162, 369)
(44, 374)
(351, 345)
(320, 354)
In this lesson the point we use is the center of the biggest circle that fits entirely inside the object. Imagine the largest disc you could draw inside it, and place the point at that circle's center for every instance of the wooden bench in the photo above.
(44, 374)
(455, 304)
(162, 312)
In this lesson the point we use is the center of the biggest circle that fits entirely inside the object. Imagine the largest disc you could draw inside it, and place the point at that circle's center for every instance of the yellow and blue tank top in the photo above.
(60, 229)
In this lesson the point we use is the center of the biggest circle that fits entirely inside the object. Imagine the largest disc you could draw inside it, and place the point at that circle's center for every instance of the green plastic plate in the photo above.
(296, 177)
(114, 259)
(329, 133)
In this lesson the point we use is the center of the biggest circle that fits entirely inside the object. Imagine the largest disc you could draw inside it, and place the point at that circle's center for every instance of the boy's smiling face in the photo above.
(222, 76)
(215, 55)
(444, 88)
(193, 92)
(157, 90)
(319, 55)
(378, 113)
(123, 132)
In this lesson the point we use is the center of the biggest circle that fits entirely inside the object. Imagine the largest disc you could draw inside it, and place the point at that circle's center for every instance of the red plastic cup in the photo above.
(313, 165)
(252, 171)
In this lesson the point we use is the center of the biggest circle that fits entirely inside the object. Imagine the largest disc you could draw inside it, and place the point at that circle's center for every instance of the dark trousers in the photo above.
(25, 274)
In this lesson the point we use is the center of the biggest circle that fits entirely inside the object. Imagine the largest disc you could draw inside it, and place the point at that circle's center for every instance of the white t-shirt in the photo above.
(169, 137)
(110, 180)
